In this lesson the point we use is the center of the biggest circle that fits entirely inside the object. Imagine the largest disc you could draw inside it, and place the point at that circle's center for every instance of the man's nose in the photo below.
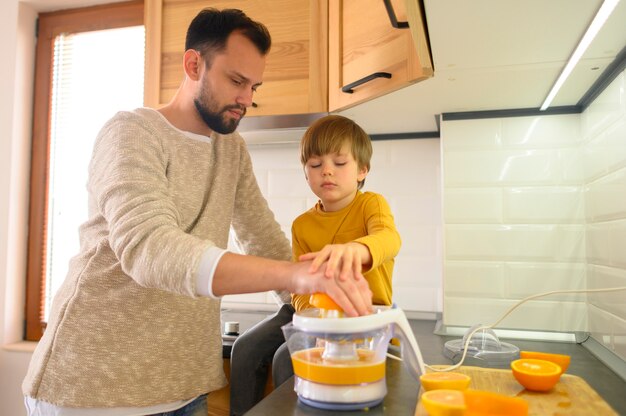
(245, 98)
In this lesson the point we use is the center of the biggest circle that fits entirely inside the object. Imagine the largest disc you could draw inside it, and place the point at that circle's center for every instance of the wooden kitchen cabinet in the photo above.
(363, 44)
(295, 79)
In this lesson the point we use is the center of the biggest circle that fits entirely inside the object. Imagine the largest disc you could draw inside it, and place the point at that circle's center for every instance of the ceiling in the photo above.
(487, 55)
(497, 55)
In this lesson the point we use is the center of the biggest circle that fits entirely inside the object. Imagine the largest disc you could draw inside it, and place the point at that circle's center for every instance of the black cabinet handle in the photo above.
(255, 105)
(392, 16)
(349, 89)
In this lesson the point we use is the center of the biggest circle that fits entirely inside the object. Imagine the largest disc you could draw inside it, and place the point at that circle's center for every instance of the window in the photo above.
(89, 65)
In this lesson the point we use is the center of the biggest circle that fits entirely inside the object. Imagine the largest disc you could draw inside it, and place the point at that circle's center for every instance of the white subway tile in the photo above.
(617, 244)
(600, 277)
(420, 241)
(474, 279)
(597, 243)
(506, 167)
(287, 183)
(606, 197)
(418, 299)
(410, 271)
(616, 144)
(572, 162)
(287, 209)
(600, 326)
(416, 210)
(473, 205)
(515, 242)
(285, 156)
(402, 180)
(532, 315)
(530, 205)
(248, 298)
(527, 279)
(424, 154)
(595, 157)
(541, 131)
(467, 134)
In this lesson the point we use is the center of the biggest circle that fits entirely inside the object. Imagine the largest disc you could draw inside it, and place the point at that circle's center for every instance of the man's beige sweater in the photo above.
(126, 328)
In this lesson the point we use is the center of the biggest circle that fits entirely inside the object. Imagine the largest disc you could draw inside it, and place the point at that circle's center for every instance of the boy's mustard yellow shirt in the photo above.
(367, 220)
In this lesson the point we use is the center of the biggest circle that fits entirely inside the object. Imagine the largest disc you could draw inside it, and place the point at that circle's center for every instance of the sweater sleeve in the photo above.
(128, 184)
(299, 302)
(382, 239)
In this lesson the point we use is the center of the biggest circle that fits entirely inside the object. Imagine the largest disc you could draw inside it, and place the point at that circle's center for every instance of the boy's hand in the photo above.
(343, 260)
(352, 295)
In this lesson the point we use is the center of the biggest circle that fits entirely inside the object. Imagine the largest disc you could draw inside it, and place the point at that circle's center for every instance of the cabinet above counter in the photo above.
(318, 48)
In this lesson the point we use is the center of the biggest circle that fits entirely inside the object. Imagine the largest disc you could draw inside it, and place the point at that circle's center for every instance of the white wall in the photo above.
(604, 154)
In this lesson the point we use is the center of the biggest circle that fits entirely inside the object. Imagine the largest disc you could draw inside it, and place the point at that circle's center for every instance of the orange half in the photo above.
(444, 380)
(487, 403)
(323, 301)
(443, 402)
(536, 375)
(561, 360)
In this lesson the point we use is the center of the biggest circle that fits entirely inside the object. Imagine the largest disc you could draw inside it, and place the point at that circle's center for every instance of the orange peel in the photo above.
(560, 359)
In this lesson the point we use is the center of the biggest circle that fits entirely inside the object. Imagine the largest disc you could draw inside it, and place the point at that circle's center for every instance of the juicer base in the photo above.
(340, 406)
(358, 396)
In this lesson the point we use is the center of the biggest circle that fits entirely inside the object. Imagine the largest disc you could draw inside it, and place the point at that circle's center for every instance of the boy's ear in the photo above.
(363, 171)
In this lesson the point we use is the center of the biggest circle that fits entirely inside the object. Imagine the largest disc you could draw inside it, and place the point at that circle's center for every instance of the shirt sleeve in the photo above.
(206, 271)
(128, 186)
(299, 302)
(382, 239)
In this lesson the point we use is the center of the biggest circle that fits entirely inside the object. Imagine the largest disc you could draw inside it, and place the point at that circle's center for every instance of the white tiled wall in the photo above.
(536, 204)
(407, 173)
(604, 133)
(514, 221)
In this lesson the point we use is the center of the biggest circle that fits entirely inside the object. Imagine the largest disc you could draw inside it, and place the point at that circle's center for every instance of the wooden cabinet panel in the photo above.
(363, 42)
(295, 79)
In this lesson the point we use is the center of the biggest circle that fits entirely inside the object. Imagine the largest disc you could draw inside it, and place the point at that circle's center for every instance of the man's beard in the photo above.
(215, 120)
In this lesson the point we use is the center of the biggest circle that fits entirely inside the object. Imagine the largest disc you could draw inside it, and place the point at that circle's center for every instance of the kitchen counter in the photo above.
(403, 390)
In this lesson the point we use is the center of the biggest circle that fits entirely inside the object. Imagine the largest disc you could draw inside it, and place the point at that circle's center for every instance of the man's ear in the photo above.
(192, 62)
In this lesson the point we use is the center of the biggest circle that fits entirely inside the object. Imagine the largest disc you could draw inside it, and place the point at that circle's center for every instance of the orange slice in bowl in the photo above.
(536, 375)
(443, 402)
(493, 404)
(560, 359)
(444, 380)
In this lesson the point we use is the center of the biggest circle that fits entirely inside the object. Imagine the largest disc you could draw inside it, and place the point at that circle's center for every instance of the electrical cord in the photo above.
(507, 313)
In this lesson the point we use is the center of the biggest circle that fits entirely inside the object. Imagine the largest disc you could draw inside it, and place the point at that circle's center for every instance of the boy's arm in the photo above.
(381, 243)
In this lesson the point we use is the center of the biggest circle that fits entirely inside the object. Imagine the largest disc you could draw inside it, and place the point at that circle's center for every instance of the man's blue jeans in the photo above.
(250, 358)
(198, 407)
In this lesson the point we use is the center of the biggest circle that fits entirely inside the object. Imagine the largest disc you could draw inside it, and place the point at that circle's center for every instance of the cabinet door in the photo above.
(363, 44)
(295, 79)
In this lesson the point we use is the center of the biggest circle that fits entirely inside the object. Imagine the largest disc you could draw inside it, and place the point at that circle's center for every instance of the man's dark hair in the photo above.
(210, 29)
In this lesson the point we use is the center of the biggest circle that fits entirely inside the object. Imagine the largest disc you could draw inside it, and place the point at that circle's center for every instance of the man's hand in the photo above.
(352, 295)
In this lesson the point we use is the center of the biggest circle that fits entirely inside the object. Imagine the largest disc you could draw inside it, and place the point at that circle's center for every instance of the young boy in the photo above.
(349, 232)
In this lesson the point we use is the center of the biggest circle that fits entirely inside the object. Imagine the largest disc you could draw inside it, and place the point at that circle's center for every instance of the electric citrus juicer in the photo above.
(339, 362)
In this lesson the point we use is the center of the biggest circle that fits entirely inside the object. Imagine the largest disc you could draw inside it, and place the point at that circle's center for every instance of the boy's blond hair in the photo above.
(328, 134)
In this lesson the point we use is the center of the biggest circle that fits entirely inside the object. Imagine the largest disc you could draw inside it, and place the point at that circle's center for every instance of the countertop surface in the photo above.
(403, 390)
